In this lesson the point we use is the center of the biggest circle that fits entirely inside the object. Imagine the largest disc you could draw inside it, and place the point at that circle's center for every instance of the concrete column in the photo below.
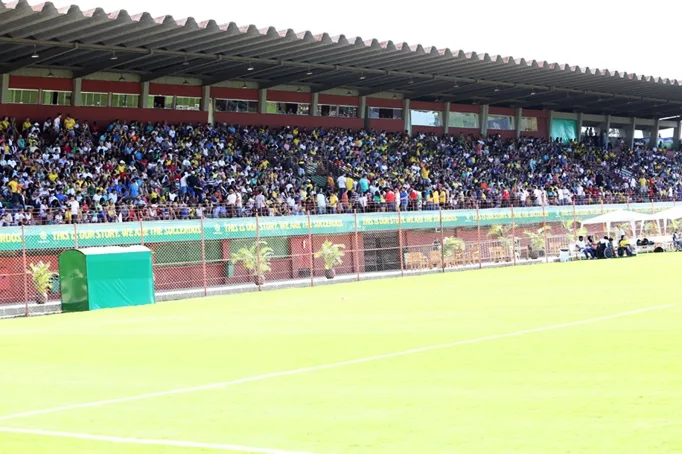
(205, 98)
(631, 132)
(314, 102)
(517, 121)
(676, 135)
(607, 128)
(446, 117)
(550, 117)
(484, 119)
(579, 126)
(4, 88)
(262, 101)
(362, 111)
(653, 137)
(406, 116)
(76, 92)
(144, 95)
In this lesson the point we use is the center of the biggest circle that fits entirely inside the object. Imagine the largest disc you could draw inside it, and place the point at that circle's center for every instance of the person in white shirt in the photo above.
(677, 240)
(584, 248)
(321, 202)
(537, 193)
(260, 203)
(231, 201)
(74, 206)
(341, 183)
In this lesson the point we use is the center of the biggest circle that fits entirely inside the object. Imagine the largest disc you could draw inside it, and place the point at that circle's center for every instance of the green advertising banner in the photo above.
(64, 236)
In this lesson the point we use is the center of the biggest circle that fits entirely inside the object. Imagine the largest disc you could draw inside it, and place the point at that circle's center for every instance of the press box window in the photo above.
(288, 108)
(56, 98)
(160, 102)
(17, 96)
(94, 99)
(236, 105)
(124, 100)
(186, 103)
(386, 113)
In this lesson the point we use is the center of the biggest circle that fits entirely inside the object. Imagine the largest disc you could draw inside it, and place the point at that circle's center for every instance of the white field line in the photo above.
(351, 362)
(143, 441)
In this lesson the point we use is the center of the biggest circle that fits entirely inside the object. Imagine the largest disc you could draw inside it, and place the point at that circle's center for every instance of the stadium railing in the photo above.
(209, 256)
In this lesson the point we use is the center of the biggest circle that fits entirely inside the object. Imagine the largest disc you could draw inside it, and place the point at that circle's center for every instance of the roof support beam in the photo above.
(473, 91)
(174, 69)
(511, 96)
(236, 73)
(294, 77)
(439, 87)
(108, 63)
(345, 80)
(332, 84)
(43, 56)
(394, 85)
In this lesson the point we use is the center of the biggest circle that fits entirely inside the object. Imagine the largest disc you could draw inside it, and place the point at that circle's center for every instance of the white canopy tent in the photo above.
(671, 214)
(621, 216)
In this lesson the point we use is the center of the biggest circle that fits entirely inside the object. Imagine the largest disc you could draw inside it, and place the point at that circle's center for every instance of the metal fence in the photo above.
(133, 211)
(271, 260)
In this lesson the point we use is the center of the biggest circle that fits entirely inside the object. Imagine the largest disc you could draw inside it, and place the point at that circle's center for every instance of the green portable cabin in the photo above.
(105, 277)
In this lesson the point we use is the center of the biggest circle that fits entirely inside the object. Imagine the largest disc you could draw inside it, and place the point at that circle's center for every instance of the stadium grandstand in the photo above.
(149, 159)
(136, 116)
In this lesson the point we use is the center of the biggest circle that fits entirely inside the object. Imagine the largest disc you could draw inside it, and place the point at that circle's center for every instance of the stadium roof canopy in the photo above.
(92, 41)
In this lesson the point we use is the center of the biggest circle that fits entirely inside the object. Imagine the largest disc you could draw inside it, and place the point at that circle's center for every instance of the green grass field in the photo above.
(562, 358)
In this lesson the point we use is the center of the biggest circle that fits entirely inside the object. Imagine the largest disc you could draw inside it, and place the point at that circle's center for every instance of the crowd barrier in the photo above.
(210, 256)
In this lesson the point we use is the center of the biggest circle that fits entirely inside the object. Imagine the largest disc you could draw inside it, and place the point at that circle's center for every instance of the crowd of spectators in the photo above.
(65, 170)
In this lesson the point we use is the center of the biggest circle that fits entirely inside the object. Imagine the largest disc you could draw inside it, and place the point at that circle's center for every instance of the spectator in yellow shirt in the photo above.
(69, 123)
(14, 185)
(349, 184)
(333, 202)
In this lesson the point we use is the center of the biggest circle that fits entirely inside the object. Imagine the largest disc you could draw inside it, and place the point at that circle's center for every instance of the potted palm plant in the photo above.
(573, 233)
(536, 248)
(651, 229)
(331, 254)
(501, 233)
(256, 259)
(451, 246)
(42, 280)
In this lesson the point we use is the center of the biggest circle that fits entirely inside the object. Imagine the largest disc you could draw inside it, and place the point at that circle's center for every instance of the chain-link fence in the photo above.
(214, 255)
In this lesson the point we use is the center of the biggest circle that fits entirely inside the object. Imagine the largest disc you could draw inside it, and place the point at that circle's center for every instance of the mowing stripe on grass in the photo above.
(143, 441)
(351, 362)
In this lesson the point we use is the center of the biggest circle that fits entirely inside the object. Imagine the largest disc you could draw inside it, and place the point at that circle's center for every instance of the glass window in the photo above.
(324, 110)
(236, 105)
(380, 112)
(160, 102)
(124, 100)
(348, 111)
(56, 98)
(23, 96)
(288, 108)
(501, 122)
(529, 124)
(94, 99)
(186, 103)
(468, 120)
(426, 118)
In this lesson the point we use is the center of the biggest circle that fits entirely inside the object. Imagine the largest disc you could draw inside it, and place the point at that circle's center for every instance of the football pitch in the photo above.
(573, 358)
